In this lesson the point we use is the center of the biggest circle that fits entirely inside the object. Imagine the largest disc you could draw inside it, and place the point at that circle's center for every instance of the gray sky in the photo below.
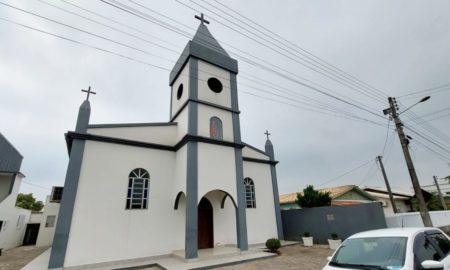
(396, 47)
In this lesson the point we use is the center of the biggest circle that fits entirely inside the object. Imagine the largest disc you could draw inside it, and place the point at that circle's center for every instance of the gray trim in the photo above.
(256, 149)
(71, 136)
(204, 103)
(191, 244)
(62, 230)
(222, 203)
(179, 111)
(257, 160)
(204, 53)
(241, 217)
(177, 199)
(276, 196)
(234, 93)
(132, 125)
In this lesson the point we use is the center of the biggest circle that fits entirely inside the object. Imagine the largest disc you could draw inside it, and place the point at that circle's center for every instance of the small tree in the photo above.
(27, 201)
(313, 198)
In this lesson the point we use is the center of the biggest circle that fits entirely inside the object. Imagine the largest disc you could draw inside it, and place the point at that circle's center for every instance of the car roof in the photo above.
(391, 232)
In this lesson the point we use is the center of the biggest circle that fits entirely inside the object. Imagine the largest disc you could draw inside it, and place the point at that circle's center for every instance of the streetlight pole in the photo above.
(412, 172)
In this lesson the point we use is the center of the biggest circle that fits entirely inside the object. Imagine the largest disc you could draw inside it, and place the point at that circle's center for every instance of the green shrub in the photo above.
(306, 234)
(313, 198)
(334, 236)
(273, 245)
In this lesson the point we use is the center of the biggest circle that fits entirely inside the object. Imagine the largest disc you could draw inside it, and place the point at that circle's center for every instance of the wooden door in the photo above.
(205, 224)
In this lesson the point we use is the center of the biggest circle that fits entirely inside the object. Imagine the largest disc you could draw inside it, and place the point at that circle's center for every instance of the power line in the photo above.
(300, 50)
(35, 185)
(429, 90)
(344, 174)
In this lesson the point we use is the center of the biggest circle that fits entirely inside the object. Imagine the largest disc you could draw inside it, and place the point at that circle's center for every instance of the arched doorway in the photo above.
(205, 224)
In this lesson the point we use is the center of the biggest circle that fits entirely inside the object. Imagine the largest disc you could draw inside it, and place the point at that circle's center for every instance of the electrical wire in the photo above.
(344, 174)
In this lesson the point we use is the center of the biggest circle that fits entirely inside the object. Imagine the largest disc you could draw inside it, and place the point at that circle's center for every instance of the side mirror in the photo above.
(329, 258)
(429, 264)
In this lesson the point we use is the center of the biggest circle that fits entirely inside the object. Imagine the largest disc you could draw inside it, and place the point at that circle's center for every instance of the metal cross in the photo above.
(267, 134)
(201, 18)
(88, 92)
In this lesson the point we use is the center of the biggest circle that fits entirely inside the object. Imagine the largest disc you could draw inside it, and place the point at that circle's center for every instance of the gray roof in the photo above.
(205, 47)
(205, 38)
(10, 158)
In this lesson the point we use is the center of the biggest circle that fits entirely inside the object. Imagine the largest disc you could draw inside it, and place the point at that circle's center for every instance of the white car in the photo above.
(393, 249)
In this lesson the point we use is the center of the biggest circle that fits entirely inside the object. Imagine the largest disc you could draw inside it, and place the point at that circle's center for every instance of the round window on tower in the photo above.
(180, 91)
(215, 85)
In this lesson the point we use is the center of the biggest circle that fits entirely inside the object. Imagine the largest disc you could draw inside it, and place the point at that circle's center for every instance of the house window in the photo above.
(56, 194)
(50, 222)
(137, 193)
(20, 221)
(250, 193)
(215, 128)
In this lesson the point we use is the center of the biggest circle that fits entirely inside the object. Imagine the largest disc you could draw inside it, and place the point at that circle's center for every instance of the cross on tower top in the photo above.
(201, 18)
(267, 134)
(88, 92)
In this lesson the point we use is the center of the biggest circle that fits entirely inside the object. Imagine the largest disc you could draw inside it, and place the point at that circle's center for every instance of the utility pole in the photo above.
(388, 187)
(412, 172)
(439, 193)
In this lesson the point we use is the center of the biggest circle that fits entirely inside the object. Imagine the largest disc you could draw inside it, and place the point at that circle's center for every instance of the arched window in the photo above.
(250, 193)
(138, 186)
(215, 128)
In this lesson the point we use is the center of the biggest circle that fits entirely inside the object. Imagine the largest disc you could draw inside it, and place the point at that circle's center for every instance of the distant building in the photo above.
(13, 219)
(49, 218)
(342, 195)
(444, 185)
(402, 200)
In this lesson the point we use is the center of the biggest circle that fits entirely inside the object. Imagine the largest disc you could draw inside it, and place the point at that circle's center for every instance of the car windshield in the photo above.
(371, 253)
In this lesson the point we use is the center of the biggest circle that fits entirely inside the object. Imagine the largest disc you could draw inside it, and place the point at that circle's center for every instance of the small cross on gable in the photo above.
(201, 18)
(267, 134)
(88, 92)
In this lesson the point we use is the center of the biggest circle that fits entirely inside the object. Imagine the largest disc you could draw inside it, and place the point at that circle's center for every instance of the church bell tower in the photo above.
(204, 104)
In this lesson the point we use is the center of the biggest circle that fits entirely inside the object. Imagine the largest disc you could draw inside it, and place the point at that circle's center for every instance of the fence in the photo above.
(320, 222)
(413, 219)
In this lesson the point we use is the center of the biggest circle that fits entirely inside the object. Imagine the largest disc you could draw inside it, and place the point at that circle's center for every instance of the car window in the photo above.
(441, 242)
(424, 249)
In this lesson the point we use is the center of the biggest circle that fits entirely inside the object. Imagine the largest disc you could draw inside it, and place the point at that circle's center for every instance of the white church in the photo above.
(149, 189)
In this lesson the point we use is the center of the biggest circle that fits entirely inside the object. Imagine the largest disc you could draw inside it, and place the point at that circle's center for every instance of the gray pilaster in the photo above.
(62, 230)
(191, 243)
(241, 217)
(276, 197)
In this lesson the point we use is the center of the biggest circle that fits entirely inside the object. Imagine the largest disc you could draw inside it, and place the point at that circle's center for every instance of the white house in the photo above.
(48, 218)
(12, 219)
(141, 190)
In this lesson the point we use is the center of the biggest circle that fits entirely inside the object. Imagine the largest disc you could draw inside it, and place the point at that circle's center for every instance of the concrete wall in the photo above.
(6, 180)
(45, 236)
(413, 219)
(14, 219)
(100, 220)
(261, 222)
(320, 222)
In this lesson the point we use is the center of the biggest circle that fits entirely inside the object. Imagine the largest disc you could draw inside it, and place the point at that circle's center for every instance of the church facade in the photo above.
(141, 190)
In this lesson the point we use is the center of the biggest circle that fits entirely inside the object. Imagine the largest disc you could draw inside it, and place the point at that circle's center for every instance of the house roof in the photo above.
(335, 192)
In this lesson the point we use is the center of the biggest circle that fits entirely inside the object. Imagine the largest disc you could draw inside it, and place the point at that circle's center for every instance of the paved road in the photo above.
(292, 257)
(16, 258)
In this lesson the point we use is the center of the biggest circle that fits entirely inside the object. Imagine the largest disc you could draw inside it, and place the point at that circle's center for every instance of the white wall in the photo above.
(261, 222)
(183, 78)
(165, 135)
(248, 152)
(5, 184)
(100, 220)
(11, 235)
(45, 236)
(413, 219)
(224, 219)
(206, 71)
(205, 113)
(216, 169)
